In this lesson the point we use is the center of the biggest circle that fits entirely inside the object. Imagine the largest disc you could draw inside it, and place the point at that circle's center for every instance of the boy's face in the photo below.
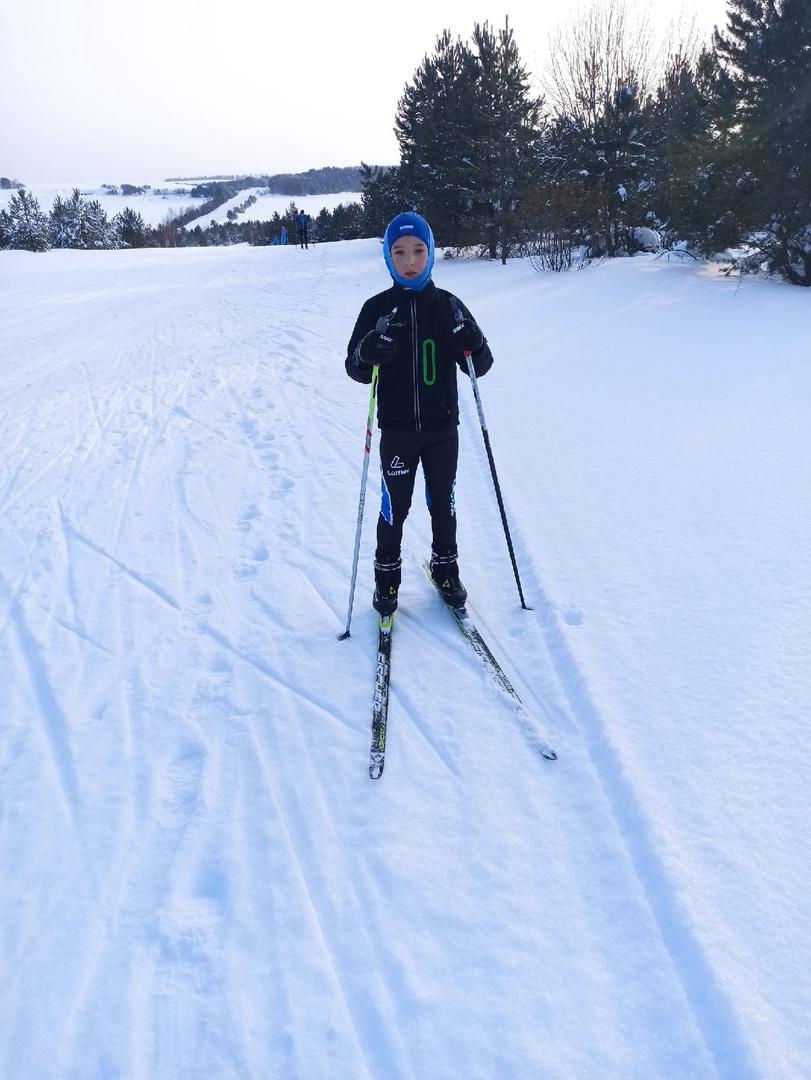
(409, 256)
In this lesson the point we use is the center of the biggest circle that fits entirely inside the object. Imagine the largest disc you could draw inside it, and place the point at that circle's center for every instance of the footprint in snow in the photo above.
(180, 786)
(285, 485)
(247, 567)
(249, 516)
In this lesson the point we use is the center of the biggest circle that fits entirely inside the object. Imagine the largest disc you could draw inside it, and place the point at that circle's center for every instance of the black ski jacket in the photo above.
(417, 390)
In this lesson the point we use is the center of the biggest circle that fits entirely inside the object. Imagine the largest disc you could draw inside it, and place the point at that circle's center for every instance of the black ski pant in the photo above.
(400, 453)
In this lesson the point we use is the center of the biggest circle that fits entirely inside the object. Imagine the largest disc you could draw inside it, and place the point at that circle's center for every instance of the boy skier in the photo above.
(427, 332)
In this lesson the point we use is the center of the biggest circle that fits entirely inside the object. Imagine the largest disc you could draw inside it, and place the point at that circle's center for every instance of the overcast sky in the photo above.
(125, 93)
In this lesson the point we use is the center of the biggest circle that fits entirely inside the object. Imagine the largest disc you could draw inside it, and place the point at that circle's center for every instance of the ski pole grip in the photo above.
(382, 324)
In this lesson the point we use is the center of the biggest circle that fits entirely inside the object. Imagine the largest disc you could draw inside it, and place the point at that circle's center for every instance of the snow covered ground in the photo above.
(199, 877)
(168, 200)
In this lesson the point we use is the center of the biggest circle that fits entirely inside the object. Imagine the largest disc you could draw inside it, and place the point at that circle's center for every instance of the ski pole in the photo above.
(380, 328)
(474, 382)
(362, 502)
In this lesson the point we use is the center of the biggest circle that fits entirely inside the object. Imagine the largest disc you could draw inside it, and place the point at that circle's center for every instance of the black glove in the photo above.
(467, 336)
(377, 349)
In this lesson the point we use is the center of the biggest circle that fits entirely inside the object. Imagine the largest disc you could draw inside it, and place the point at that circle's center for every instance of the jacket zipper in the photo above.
(416, 364)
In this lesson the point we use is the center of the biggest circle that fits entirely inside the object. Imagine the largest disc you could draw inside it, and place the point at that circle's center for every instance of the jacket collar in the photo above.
(403, 294)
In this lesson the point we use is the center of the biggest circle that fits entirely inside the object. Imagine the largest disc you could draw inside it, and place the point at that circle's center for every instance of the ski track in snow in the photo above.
(703, 989)
(566, 700)
(220, 891)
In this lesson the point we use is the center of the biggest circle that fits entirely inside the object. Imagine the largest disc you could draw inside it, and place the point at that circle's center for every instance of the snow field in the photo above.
(200, 878)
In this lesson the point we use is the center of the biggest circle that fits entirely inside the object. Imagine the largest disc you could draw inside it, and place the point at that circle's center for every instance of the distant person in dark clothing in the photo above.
(303, 222)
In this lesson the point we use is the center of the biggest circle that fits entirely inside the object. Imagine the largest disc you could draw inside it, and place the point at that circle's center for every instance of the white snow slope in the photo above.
(174, 199)
(199, 878)
(164, 201)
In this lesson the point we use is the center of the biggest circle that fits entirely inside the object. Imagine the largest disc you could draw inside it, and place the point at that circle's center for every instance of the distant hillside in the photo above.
(216, 191)
(327, 181)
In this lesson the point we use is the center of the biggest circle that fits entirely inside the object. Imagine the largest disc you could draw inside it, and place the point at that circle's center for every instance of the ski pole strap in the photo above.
(457, 313)
(382, 324)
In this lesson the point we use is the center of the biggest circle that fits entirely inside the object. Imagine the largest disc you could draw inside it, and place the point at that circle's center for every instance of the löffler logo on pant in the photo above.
(397, 467)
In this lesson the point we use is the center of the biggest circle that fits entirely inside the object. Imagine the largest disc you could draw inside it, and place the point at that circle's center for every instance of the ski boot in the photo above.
(387, 581)
(445, 573)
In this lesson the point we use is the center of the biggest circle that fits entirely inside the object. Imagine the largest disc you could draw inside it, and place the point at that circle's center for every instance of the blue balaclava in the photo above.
(409, 225)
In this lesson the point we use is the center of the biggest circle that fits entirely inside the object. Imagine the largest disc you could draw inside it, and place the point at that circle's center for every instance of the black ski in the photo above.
(475, 638)
(380, 707)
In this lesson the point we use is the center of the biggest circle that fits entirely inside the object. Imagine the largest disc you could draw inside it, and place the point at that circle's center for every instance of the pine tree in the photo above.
(766, 52)
(433, 128)
(382, 198)
(79, 223)
(600, 80)
(347, 221)
(619, 163)
(507, 128)
(25, 225)
(60, 230)
(691, 154)
(468, 130)
(96, 232)
(129, 229)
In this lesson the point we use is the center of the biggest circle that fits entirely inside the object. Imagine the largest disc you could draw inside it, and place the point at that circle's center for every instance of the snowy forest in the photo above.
(704, 146)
